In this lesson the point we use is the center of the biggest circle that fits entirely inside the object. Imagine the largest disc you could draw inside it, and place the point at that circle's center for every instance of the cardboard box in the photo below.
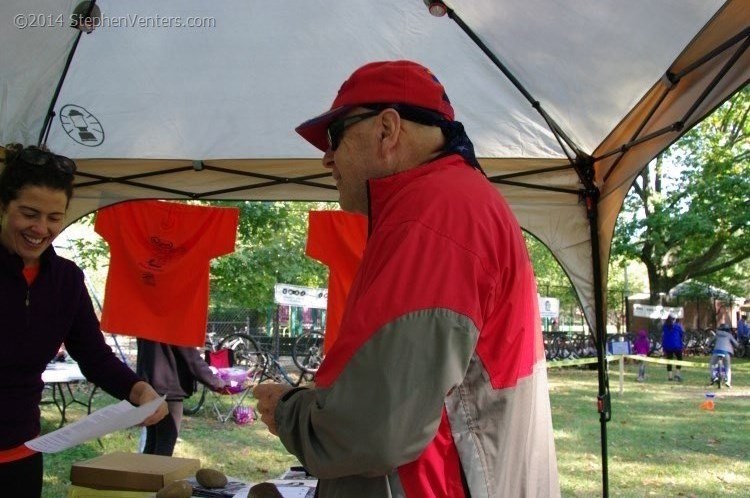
(132, 471)
(81, 492)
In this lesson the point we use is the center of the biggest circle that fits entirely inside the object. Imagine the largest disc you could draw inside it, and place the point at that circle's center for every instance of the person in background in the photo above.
(723, 345)
(642, 346)
(43, 304)
(671, 343)
(743, 330)
(437, 383)
(172, 371)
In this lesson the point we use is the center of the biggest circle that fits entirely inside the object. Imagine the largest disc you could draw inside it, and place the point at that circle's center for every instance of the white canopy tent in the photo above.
(565, 101)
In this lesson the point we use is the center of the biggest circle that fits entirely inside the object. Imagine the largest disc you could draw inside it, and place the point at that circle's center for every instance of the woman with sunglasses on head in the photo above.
(43, 304)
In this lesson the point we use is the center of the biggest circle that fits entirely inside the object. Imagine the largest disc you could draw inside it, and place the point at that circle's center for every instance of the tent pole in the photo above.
(603, 398)
(44, 132)
(563, 139)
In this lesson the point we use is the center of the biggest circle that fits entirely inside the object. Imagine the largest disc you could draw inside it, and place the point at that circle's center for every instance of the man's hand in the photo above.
(268, 396)
(141, 393)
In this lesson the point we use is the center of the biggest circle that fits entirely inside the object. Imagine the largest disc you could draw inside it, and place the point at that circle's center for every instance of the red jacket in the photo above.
(436, 386)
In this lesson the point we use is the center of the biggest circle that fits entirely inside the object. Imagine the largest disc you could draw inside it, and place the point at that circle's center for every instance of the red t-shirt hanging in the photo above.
(337, 239)
(157, 285)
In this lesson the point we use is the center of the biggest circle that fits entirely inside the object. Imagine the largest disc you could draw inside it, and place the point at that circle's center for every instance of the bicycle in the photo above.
(307, 351)
(307, 355)
(719, 371)
(557, 346)
(245, 353)
(743, 348)
(248, 355)
(551, 346)
(273, 370)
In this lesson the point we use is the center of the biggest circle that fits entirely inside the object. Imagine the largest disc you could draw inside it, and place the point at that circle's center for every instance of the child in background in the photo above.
(642, 347)
(723, 345)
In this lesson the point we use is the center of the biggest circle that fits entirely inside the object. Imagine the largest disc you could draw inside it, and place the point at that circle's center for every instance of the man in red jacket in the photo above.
(436, 386)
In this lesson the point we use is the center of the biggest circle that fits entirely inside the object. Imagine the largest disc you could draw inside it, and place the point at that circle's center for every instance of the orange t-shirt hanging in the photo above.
(337, 239)
(157, 285)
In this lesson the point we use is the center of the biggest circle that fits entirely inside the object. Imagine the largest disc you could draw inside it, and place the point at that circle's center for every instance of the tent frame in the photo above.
(591, 194)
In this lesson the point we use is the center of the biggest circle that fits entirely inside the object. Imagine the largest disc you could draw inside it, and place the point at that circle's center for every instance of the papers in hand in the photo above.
(109, 419)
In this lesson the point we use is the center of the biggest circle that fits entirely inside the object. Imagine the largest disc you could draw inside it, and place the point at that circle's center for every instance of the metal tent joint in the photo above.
(669, 80)
(604, 406)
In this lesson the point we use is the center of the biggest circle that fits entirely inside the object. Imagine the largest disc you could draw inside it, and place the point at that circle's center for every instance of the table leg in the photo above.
(61, 404)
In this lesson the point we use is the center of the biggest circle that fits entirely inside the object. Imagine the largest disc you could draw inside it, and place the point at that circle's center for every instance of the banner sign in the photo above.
(294, 295)
(618, 347)
(656, 312)
(549, 307)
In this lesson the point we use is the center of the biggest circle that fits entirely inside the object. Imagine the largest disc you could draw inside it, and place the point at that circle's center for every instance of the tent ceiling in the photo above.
(175, 112)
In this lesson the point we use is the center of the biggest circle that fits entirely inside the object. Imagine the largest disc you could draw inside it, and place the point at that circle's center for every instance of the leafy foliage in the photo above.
(687, 215)
(546, 267)
(552, 280)
(270, 249)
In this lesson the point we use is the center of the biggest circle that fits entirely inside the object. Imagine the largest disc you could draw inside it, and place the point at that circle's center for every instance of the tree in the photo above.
(270, 249)
(550, 276)
(687, 215)
(552, 281)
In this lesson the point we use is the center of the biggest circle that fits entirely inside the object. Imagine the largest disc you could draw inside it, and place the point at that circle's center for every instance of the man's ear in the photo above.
(390, 128)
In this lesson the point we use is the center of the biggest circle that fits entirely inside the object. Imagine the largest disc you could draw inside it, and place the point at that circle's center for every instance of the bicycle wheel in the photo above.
(247, 354)
(275, 372)
(550, 347)
(741, 350)
(244, 349)
(193, 403)
(307, 351)
(564, 348)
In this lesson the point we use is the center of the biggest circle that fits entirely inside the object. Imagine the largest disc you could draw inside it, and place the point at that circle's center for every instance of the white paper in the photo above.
(290, 488)
(294, 492)
(109, 419)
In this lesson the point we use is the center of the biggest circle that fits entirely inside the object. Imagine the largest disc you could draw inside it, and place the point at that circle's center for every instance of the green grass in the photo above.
(659, 442)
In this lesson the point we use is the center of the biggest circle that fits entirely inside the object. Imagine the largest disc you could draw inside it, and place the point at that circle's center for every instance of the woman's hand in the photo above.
(142, 393)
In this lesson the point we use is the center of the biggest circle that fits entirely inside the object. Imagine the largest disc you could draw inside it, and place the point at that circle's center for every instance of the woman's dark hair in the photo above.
(31, 165)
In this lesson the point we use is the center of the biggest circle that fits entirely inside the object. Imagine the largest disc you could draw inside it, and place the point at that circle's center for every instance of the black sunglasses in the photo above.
(411, 113)
(38, 157)
(335, 130)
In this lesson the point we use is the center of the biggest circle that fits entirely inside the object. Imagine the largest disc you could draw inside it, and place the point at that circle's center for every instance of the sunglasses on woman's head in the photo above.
(38, 157)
